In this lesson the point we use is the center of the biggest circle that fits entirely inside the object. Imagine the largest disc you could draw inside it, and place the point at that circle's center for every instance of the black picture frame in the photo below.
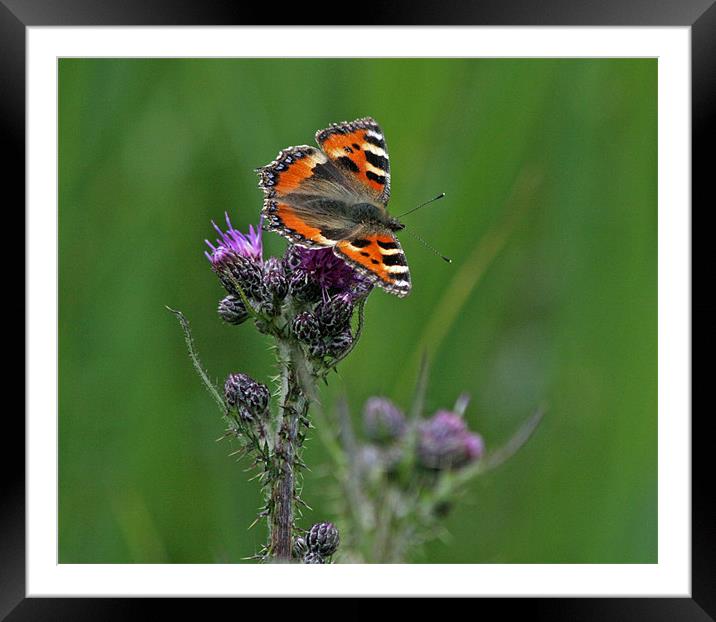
(17, 15)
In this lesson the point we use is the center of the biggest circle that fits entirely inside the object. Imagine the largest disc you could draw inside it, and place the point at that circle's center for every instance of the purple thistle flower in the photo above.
(474, 446)
(445, 442)
(236, 259)
(330, 273)
(248, 245)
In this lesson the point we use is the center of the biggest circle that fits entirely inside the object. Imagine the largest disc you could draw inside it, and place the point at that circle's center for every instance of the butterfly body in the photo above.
(336, 196)
(368, 214)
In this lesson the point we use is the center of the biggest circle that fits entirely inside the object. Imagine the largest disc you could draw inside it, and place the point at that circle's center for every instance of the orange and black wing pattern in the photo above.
(300, 186)
(379, 257)
(358, 148)
(310, 198)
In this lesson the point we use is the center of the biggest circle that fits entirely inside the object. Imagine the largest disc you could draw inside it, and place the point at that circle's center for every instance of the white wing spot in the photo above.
(375, 149)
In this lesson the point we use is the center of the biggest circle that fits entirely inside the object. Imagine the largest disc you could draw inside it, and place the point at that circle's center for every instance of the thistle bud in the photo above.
(292, 258)
(233, 310)
(302, 287)
(275, 280)
(234, 269)
(300, 548)
(334, 314)
(317, 350)
(446, 443)
(306, 328)
(250, 398)
(338, 344)
(313, 558)
(383, 421)
(323, 538)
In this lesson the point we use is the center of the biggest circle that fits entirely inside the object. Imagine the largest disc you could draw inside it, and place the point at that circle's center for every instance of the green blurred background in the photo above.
(550, 170)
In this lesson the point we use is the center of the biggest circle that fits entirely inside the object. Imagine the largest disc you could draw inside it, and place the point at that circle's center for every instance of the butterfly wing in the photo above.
(309, 194)
(307, 198)
(358, 149)
(378, 256)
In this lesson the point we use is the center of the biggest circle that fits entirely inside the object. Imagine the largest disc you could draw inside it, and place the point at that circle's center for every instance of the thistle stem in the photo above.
(293, 409)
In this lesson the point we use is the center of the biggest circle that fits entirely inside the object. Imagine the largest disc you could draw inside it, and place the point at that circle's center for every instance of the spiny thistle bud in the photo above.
(383, 421)
(323, 538)
(334, 314)
(302, 287)
(292, 258)
(446, 443)
(313, 558)
(306, 328)
(233, 310)
(234, 269)
(338, 344)
(275, 280)
(317, 350)
(300, 548)
(249, 397)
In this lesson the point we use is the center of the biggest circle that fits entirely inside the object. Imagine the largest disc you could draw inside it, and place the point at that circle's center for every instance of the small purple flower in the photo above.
(248, 245)
(474, 446)
(445, 442)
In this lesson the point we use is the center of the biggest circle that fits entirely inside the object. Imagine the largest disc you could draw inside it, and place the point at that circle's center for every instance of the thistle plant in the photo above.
(397, 483)
(398, 480)
(305, 301)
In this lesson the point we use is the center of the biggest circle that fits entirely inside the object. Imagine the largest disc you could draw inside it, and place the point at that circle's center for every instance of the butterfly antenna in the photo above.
(415, 209)
(426, 245)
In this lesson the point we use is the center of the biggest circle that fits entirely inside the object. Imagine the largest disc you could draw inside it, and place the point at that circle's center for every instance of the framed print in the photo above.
(415, 314)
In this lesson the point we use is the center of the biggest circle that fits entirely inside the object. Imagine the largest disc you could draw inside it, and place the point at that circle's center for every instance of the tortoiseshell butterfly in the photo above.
(336, 197)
